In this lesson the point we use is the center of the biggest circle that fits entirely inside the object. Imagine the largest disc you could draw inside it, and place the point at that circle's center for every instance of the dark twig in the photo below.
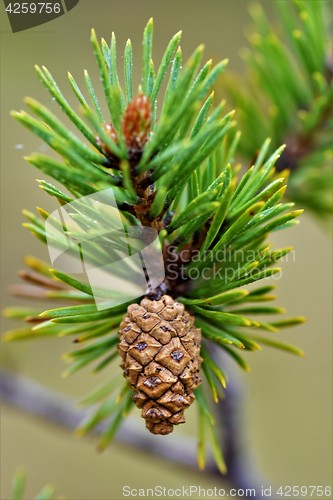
(32, 398)
(242, 471)
(26, 395)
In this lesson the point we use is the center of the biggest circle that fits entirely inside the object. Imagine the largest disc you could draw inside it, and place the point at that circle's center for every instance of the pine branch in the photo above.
(287, 94)
(168, 160)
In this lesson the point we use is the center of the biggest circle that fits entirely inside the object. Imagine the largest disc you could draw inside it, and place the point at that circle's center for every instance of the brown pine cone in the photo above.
(160, 348)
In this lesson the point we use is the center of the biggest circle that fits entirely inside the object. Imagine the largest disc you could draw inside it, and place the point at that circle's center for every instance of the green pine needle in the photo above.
(18, 488)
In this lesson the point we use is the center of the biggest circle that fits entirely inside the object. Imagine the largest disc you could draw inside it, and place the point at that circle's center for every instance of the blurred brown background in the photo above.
(289, 401)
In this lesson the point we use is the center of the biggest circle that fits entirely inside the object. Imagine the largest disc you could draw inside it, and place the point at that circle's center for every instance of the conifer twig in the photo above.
(32, 398)
(287, 95)
(170, 169)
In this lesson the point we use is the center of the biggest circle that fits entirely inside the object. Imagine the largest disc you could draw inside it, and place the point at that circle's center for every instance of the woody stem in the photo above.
(31, 398)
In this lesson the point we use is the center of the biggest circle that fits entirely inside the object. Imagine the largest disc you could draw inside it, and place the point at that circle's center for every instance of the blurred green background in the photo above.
(288, 413)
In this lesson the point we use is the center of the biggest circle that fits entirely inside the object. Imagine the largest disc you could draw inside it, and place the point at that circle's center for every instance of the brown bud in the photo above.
(136, 123)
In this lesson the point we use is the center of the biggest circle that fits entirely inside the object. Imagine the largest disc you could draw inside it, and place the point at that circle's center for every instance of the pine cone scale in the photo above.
(160, 349)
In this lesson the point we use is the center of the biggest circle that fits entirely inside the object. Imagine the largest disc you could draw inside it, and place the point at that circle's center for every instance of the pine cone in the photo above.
(160, 348)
